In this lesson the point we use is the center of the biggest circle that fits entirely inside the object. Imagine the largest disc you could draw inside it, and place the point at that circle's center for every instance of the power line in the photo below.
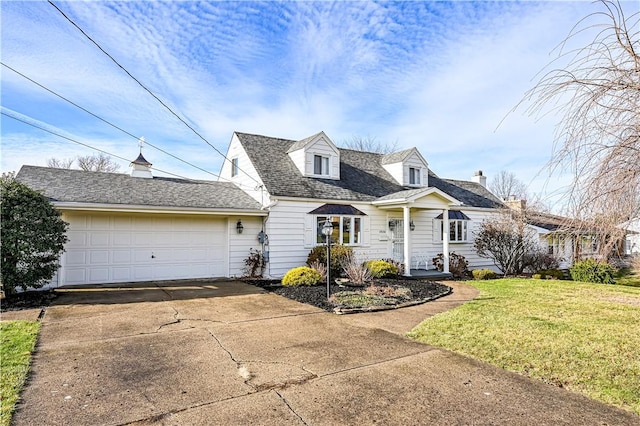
(92, 147)
(108, 122)
(145, 88)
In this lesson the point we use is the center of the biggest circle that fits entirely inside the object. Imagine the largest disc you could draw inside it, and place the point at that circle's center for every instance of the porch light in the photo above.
(239, 227)
(412, 225)
(327, 230)
(392, 224)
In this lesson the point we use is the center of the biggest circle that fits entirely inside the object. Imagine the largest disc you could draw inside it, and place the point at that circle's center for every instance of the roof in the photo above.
(396, 157)
(547, 221)
(337, 209)
(454, 215)
(79, 186)
(362, 175)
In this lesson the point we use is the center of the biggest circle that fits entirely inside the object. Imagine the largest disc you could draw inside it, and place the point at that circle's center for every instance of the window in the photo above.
(320, 165)
(414, 176)
(234, 167)
(347, 230)
(457, 230)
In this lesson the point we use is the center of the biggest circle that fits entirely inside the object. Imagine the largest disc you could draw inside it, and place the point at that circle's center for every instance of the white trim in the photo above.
(125, 208)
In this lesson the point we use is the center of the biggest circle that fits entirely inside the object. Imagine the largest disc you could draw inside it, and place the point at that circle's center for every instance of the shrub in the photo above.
(302, 275)
(399, 265)
(458, 265)
(357, 272)
(484, 274)
(254, 264)
(340, 255)
(591, 271)
(536, 276)
(321, 268)
(548, 274)
(538, 260)
(382, 269)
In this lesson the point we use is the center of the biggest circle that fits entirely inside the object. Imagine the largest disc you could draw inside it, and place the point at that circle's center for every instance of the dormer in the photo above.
(408, 167)
(316, 156)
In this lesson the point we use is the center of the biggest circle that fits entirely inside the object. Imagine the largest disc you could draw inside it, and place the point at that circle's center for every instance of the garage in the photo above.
(111, 248)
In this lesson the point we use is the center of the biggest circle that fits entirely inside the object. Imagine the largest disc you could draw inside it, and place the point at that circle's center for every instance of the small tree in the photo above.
(506, 185)
(89, 163)
(507, 240)
(370, 144)
(33, 236)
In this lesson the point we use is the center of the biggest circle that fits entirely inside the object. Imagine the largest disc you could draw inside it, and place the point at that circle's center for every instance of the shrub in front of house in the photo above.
(382, 269)
(484, 274)
(302, 275)
(592, 271)
(548, 274)
(340, 255)
(458, 265)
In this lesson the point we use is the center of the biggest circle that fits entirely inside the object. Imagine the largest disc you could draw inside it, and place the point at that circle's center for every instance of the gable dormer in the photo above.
(408, 167)
(316, 156)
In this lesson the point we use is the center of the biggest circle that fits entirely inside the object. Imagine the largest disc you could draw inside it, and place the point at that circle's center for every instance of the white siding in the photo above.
(247, 179)
(396, 171)
(298, 158)
(240, 245)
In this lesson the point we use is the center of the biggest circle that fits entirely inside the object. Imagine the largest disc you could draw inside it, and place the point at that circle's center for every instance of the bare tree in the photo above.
(370, 144)
(98, 163)
(595, 89)
(506, 185)
(64, 163)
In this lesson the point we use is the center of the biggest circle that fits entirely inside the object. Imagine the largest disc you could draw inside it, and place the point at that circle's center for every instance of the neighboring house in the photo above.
(632, 240)
(138, 227)
(384, 206)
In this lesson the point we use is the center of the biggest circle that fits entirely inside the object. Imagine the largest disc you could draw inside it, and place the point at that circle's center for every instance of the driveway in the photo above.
(223, 352)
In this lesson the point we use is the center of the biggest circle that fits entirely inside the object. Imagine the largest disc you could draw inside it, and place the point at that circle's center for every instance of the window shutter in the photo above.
(437, 230)
(366, 230)
(309, 230)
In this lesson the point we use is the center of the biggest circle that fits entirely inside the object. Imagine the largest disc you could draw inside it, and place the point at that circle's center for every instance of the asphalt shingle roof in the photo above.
(362, 176)
(79, 186)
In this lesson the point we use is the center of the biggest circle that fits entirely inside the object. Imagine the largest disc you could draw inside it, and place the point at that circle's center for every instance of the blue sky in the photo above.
(436, 75)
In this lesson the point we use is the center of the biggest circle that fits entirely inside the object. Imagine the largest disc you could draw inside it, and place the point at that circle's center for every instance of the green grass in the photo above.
(585, 337)
(628, 278)
(17, 341)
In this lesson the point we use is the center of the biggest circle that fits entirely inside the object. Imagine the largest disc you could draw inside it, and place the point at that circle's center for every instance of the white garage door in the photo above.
(106, 248)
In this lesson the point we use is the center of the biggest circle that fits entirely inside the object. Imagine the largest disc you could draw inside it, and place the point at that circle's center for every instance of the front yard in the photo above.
(585, 337)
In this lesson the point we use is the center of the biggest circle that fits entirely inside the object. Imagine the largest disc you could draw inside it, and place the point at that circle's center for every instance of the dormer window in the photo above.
(414, 176)
(320, 165)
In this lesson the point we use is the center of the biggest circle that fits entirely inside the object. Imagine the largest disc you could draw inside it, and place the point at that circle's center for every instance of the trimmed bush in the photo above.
(302, 275)
(340, 255)
(382, 269)
(592, 271)
(484, 274)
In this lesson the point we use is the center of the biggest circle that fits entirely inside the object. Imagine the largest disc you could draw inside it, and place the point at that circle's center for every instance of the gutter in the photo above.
(70, 206)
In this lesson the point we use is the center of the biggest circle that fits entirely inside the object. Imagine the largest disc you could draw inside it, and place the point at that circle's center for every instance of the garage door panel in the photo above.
(119, 248)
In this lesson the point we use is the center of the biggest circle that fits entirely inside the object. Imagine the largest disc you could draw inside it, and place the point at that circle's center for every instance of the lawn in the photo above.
(17, 340)
(584, 337)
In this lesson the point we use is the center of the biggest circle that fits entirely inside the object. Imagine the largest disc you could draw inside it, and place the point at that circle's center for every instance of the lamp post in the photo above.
(327, 230)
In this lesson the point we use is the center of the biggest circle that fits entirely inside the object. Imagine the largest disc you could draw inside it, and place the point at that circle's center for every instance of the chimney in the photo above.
(514, 204)
(141, 168)
(478, 177)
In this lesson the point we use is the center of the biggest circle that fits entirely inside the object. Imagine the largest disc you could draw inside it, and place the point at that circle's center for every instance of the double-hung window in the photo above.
(320, 165)
(347, 230)
(414, 176)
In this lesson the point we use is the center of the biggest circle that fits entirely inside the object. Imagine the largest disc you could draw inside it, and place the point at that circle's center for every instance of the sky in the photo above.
(441, 76)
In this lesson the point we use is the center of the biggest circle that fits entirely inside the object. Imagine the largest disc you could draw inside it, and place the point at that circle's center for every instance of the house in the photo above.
(138, 227)
(274, 195)
(383, 205)
(632, 240)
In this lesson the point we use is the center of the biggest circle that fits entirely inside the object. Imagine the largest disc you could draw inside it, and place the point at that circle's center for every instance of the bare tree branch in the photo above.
(506, 185)
(370, 144)
(98, 163)
(64, 163)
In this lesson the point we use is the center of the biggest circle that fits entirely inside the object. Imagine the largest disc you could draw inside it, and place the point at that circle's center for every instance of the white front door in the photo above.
(397, 239)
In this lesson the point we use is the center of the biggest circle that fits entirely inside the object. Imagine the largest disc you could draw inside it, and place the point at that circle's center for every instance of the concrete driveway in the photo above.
(223, 352)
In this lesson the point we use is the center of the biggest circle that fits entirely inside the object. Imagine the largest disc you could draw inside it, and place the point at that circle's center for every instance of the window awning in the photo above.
(455, 215)
(337, 210)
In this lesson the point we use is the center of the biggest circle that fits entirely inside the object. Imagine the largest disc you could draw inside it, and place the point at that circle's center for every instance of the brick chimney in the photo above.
(514, 204)
(478, 177)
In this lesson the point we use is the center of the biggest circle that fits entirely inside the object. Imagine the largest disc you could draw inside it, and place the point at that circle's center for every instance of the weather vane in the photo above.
(140, 143)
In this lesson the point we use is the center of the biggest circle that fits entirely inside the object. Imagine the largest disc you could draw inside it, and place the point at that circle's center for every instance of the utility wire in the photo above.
(145, 88)
(94, 148)
(110, 123)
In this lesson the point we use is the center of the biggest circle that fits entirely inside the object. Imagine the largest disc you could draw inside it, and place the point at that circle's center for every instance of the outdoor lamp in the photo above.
(327, 230)
(239, 227)
(412, 225)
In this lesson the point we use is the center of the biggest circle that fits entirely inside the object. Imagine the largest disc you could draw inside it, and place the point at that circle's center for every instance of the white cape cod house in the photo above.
(275, 195)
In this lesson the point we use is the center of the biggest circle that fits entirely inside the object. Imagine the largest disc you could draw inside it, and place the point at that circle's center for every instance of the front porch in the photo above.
(430, 274)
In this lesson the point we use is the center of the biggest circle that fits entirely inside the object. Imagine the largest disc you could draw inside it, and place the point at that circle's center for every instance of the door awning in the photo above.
(455, 215)
(337, 210)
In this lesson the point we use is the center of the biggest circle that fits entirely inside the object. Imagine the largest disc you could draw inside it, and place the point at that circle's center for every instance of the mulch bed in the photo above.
(27, 300)
(422, 291)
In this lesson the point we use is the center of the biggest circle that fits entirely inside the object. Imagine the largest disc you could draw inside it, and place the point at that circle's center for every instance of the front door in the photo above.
(397, 239)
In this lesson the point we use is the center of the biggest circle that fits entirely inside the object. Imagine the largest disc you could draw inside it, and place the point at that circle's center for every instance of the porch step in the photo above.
(431, 274)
